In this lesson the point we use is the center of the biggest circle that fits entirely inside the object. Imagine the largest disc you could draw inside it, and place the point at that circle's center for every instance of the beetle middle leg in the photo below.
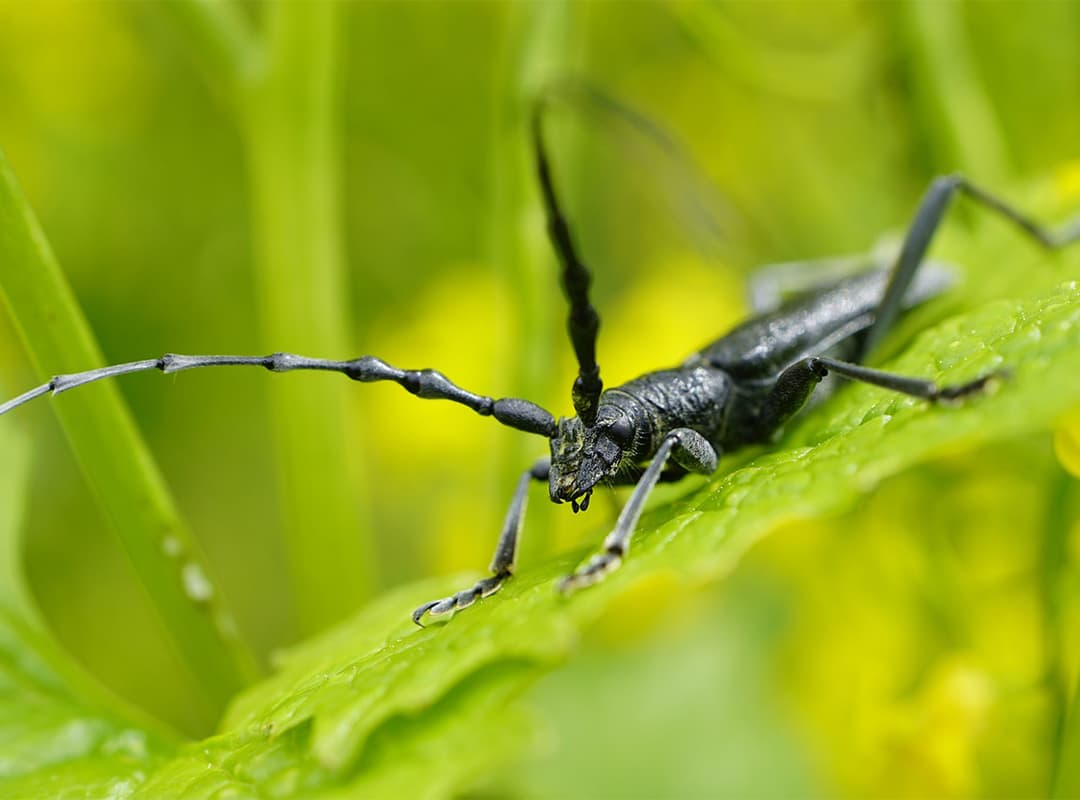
(502, 563)
(689, 450)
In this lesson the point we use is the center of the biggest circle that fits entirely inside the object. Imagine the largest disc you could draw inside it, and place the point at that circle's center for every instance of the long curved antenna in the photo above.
(425, 383)
(712, 219)
(583, 322)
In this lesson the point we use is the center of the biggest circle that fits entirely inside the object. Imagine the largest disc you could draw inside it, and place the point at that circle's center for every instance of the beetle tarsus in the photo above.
(956, 395)
(595, 570)
(447, 606)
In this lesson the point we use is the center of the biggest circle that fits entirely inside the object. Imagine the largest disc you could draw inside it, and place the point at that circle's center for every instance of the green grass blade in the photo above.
(14, 594)
(293, 129)
(1067, 782)
(1066, 785)
(961, 113)
(112, 455)
(220, 39)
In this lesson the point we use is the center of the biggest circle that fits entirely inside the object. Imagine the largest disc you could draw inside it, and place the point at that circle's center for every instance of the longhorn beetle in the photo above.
(739, 390)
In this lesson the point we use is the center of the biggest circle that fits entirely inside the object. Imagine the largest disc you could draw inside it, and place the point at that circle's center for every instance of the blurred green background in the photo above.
(915, 648)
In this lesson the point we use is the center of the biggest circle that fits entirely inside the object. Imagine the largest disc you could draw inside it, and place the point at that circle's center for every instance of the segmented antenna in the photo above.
(428, 384)
(712, 220)
(583, 322)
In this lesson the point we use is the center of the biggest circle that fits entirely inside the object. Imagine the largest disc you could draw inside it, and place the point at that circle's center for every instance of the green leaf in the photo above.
(353, 710)
(54, 740)
(464, 735)
(60, 734)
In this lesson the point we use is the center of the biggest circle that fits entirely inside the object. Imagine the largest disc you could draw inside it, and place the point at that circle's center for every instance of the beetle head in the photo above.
(583, 455)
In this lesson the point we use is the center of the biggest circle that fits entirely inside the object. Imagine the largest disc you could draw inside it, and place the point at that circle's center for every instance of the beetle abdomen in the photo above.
(811, 324)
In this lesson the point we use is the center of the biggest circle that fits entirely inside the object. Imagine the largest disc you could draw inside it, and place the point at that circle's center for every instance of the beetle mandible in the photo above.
(739, 390)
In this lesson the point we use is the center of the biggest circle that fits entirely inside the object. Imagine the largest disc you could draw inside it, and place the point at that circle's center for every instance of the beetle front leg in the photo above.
(687, 448)
(502, 563)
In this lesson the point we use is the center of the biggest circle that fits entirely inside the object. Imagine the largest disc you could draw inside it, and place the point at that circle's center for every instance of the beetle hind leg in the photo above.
(928, 218)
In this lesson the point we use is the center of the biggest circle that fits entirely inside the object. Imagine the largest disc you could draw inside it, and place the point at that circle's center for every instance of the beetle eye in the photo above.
(621, 431)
